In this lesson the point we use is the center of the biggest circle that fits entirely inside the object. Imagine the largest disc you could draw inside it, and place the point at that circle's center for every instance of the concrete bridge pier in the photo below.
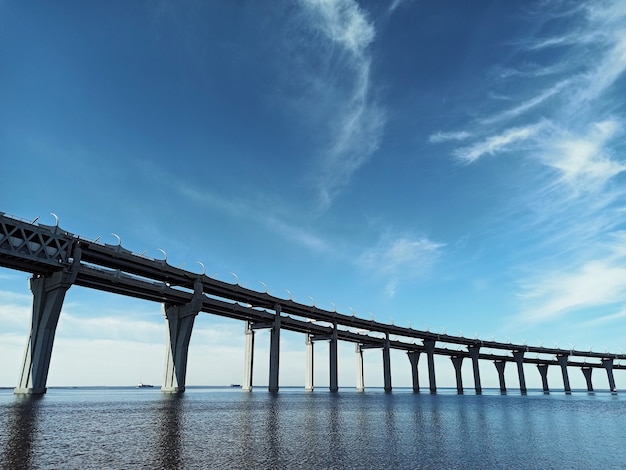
(519, 359)
(334, 382)
(246, 386)
(332, 354)
(180, 320)
(474, 351)
(274, 350)
(414, 357)
(587, 373)
(543, 370)
(360, 384)
(608, 365)
(387, 364)
(48, 296)
(308, 380)
(562, 358)
(429, 347)
(457, 361)
(500, 367)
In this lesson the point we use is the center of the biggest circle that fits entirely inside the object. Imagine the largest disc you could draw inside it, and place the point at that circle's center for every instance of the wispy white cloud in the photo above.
(112, 327)
(397, 258)
(529, 70)
(395, 4)
(592, 57)
(606, 319)
(15, 311)
(593, 283)
(596, 48)
(439, 137)
(343, 22)
(584, 162)
(15, 298)
(607, 70)
(7, 276)
(525, 105)
(498, 143)
(264, 214)
(568, 136)
(357, 125)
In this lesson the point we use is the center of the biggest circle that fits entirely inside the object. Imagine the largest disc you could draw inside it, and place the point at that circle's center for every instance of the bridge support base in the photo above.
(180, 320)
(500, 367)
(457, 361)
(429, 347)
(608, 365)
(414, 357)
(519, 359)
(248, 364)
(543, 371)
(474, 352)
(274, 351)
(308, 380)
(332, 357)
(562, 358)
(387, 365)
(360, 383)
(48, 295)
(587, 373)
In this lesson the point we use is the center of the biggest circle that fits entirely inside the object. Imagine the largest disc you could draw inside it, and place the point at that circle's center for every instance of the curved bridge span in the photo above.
(58, 259)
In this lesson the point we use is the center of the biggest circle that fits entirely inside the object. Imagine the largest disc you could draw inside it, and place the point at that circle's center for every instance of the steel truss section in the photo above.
(46, 247)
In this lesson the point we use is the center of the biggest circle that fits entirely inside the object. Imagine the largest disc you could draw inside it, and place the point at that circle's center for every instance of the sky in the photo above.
(458, 168)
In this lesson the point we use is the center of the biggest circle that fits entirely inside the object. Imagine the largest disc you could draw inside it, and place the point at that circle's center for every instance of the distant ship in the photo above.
(143, 385)
(235, 385)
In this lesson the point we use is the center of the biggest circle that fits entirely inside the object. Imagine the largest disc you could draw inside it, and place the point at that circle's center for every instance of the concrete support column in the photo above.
(474, 351)
(587, 373)
(387, 364)
(429, 347)
(543, 370)
(308, 380)
(519, 359)
(608, 365)
(562, 358)
(457, 361)
(275, 350)
(360, 383)
(500, 367)
(48, 295)
(332, 353)
(414, 357)
(246, 386)
(180, 320)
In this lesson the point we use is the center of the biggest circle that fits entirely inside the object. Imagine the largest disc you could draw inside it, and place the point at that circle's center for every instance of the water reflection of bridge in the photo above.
(58, 259)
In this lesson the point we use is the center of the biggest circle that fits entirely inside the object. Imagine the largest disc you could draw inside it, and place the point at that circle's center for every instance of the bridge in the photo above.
(58, 259)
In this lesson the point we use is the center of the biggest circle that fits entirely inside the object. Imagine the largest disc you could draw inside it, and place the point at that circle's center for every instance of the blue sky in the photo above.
(453, 167)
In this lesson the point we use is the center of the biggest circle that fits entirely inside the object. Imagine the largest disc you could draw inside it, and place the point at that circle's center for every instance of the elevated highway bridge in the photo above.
(58, 259)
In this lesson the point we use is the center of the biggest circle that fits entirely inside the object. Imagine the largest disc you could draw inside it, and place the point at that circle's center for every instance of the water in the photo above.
(227, 428)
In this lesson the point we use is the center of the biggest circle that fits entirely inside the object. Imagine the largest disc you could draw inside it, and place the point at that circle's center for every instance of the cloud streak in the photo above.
(439, 137)
(584, 162)
(400, 258)
(568, 133)
(263, 215)
(594, 283)
(357, 126)
(497, 143)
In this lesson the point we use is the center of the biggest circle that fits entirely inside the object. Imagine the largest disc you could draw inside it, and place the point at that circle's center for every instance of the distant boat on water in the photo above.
(235, 385)
(143, 385)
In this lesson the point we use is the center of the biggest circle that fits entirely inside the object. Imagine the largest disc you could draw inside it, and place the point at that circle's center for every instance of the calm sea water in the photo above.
(226, 428)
